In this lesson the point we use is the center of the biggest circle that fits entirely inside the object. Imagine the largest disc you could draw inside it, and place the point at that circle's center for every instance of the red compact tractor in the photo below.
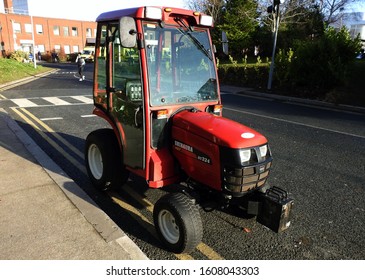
(155, 83)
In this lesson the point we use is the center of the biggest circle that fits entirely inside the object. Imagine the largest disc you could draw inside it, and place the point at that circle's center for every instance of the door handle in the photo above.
(136, 111)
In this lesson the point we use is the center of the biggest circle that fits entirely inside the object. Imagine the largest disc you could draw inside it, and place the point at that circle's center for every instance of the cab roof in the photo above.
(116, 15)
(166, 14)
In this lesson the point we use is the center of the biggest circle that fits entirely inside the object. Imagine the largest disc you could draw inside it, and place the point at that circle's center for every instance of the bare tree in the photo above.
(292, 10)
(333, 9)
(210, 7)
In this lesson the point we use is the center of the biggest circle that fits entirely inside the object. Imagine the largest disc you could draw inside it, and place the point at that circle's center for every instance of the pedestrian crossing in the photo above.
(51, 101)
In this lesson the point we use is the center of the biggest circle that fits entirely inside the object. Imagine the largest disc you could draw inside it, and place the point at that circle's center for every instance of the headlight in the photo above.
(263, 150)
(245, 155)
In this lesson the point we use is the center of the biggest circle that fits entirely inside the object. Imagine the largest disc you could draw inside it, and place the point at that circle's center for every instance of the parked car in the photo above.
(88, 54)
(361, 55)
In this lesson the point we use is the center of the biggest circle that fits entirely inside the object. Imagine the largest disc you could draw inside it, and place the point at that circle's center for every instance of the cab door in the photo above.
(123, 88)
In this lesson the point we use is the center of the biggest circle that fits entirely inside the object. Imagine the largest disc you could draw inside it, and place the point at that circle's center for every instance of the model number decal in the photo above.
(197, 154)
(204, 159)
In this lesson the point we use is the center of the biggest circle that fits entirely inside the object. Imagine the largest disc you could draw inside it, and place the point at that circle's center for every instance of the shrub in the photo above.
(282, 65)
(321, 65)
(19, 56)
(243, 75)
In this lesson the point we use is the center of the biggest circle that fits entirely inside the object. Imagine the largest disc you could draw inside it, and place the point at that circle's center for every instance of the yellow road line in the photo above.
(143, 201)
(134, 211)
(50, 141)
(209, 252)
(55, 134)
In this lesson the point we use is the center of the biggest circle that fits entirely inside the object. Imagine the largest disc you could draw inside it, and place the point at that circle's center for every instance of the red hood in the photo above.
(219, 130)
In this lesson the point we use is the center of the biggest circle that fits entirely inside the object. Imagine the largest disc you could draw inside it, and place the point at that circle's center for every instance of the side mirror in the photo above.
(127, 32)
(224, 43)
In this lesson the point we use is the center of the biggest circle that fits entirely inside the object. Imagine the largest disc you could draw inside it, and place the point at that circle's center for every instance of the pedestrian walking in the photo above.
(80, 65)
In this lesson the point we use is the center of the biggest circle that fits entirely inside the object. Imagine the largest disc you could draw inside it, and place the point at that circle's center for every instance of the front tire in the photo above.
(103, 160)
(178, 222)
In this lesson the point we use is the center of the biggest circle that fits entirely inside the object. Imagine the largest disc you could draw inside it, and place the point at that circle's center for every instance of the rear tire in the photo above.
(103, 160)
(178, 222)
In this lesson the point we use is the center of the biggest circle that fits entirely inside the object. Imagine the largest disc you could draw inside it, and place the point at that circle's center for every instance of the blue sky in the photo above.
(88, 9)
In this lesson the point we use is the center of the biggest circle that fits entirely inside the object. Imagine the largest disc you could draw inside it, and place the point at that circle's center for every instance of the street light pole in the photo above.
(34, 59)
(274, 9)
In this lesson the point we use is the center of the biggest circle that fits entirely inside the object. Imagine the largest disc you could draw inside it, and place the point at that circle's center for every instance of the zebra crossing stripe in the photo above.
(24, 102)
(53, 101)
(83, 99)
(56, 101)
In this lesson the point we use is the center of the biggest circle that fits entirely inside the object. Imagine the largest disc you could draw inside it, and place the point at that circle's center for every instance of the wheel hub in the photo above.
(169, 228)
(95, 161)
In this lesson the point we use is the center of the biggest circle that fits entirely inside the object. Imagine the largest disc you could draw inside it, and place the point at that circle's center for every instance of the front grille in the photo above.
(245, 179)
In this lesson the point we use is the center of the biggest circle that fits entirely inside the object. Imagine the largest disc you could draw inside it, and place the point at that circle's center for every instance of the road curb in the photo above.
(26, 79)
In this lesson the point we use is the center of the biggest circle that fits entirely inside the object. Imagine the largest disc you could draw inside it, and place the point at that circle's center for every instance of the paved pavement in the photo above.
(44, 215)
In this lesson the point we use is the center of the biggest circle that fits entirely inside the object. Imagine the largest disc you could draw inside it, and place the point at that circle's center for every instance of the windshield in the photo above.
(180, 65)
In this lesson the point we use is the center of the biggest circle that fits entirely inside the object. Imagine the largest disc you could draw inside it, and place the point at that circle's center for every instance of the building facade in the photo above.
(355, 23)
(20, 31)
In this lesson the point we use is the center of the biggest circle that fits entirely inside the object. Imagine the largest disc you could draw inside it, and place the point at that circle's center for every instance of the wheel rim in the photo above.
(95, 161)
(169, 228)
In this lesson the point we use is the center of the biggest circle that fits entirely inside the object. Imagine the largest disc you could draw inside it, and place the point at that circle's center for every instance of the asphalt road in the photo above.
(319, 157)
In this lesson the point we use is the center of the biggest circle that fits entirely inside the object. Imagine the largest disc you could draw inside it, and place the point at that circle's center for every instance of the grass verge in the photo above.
(12, 70)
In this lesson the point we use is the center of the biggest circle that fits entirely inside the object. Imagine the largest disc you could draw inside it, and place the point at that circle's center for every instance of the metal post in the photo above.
(272, 66)
(34, 59)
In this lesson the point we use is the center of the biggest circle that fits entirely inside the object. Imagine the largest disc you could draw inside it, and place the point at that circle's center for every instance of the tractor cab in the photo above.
(150, 63)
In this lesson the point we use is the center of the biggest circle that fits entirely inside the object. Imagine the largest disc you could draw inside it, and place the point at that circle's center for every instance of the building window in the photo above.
(57, 48)
(41, 48)
(88, 33)
(67, 49)
(39, 29)
(74, 31)
(65, 31)
(75, 49)
(56, 30)
(17, 28)
(28, 28)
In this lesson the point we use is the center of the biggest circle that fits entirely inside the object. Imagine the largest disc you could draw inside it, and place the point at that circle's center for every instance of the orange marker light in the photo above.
(162, 114)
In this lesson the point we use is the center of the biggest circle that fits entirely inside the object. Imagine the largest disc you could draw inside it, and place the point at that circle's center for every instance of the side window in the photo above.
(126, 72)
(101, 55)
(117, 69)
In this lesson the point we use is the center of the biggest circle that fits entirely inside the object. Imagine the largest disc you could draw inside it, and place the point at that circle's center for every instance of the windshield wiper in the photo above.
(193, 38)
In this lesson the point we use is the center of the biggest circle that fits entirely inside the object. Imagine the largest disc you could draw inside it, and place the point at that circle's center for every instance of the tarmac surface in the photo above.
(44, 215)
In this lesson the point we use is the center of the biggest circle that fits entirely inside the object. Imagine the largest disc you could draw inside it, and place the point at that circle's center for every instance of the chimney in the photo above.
(8, 6)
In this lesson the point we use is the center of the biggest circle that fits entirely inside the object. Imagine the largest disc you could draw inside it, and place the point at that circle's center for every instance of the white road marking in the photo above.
(83, 99)
(51, 119)
(56, 101)
(23, 102)
(88, 116)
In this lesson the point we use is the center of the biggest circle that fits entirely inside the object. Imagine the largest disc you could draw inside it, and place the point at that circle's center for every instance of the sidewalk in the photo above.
(44, 215)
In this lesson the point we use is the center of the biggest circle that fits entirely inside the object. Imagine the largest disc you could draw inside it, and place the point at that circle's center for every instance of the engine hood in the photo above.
(219, 130)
